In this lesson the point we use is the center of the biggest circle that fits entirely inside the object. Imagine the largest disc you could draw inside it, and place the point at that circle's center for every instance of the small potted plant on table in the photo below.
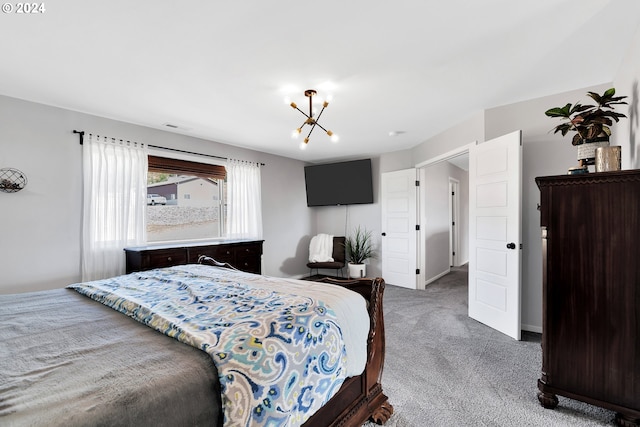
(359, 248)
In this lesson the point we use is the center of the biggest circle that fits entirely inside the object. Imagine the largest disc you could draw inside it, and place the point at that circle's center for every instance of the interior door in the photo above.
(399, 234)
(495, 180)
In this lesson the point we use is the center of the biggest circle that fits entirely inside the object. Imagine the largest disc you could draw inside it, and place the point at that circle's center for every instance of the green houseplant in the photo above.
(359, 248)
(589, 122)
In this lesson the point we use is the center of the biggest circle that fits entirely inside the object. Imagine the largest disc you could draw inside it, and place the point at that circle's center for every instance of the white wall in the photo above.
(435, 223)
(466, 132)
(343, 220)
(40, 225)
(626, 82)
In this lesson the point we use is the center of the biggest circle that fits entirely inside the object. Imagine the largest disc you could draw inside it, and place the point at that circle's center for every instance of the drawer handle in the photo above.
(169, 258)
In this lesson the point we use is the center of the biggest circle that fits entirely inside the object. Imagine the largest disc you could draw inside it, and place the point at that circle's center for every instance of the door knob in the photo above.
(384, 234)
(511, 245)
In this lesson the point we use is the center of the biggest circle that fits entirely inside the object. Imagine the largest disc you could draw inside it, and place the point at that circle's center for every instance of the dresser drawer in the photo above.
(248, 257)
(248, 251)
(221, 253)
(164, 258)
(249, 264)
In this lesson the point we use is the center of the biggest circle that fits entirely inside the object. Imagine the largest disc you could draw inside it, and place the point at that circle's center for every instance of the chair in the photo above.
(338, 255)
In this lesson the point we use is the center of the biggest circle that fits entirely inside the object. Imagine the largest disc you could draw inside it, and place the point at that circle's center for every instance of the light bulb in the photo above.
(303, 145)
(295, 133)
(335, 138)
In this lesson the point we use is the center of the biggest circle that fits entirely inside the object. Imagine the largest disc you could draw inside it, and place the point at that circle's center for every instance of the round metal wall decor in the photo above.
(12, 180)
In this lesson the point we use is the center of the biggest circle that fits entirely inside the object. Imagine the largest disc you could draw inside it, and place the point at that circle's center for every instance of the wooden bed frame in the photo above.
(360, 398)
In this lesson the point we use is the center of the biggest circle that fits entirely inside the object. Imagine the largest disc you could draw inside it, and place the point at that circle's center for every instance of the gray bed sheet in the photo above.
(66, 360)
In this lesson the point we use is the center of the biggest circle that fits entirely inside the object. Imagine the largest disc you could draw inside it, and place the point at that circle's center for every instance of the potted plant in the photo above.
(359, 248)
(589, 122)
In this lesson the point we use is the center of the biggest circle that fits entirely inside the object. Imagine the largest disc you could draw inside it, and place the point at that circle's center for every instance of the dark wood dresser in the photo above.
(245, 255)
(591, 291)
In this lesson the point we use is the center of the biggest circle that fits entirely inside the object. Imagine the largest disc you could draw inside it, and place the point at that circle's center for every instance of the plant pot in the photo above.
(357, 271)
(587, 150)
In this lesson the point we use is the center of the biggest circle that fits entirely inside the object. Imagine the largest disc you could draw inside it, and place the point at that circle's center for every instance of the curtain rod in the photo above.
(81, 135)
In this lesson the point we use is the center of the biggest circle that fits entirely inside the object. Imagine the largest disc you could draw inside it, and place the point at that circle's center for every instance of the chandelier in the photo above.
(311, 121)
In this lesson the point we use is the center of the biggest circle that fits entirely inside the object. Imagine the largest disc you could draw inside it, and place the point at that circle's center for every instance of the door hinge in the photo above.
(417, 227)
(417, 183)
(454, 254)
(417, 271)
(520, 245)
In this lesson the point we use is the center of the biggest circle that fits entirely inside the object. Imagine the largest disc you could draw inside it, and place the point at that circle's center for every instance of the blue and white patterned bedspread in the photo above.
(279, 356)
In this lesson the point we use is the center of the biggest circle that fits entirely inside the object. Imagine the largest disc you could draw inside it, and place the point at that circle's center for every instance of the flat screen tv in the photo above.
(344, 183)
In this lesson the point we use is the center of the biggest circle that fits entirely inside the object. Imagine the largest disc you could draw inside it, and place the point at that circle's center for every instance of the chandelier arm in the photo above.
(303, 113)
(321, 111)
(312, 128)
(318, 118)
(320, 126)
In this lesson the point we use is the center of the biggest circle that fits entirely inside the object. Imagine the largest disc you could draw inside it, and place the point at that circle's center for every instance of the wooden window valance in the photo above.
(185, 167)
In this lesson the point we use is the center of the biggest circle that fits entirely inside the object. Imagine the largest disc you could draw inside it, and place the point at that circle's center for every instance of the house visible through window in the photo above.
(185, 200)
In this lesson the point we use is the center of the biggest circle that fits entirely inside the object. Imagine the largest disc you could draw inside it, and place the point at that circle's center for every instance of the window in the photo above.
(188, 200)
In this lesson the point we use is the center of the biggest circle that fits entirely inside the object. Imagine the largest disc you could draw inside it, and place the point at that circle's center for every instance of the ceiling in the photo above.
(222, 71)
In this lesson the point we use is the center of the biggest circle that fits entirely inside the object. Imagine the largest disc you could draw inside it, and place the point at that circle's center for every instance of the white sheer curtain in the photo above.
(244, 200)
(115, 187)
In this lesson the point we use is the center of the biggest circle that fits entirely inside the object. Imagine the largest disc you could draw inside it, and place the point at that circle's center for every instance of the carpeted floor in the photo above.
(444, 369)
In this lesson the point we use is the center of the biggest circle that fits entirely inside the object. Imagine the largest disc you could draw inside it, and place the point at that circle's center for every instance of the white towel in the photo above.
(321, 248)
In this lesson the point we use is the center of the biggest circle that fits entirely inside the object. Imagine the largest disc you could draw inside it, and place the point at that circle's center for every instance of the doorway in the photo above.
(494, 185)
(444, 207)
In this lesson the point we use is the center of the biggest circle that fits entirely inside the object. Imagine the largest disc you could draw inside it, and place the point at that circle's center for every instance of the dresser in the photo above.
(245, 255)
(591, 291)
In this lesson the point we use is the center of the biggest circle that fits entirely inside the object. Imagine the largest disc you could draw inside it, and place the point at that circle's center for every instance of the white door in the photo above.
(399, 235)
(495, 233)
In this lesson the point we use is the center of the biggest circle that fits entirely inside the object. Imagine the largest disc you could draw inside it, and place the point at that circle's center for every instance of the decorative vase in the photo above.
(587, 150)
(357, 271)
(608, 159)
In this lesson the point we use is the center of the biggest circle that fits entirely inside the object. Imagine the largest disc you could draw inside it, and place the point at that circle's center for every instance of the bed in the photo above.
(71, 357)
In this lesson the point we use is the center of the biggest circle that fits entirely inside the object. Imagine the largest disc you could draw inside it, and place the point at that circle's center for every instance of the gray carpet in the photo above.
(444, 369)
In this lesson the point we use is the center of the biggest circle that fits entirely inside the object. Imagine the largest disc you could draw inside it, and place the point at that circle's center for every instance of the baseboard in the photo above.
(531, 328)
(433, 279)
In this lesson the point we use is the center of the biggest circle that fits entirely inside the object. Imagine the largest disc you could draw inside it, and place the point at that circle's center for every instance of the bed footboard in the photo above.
(361, 398)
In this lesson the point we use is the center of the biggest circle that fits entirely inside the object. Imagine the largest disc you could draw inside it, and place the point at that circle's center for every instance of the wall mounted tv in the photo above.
(344, 183)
